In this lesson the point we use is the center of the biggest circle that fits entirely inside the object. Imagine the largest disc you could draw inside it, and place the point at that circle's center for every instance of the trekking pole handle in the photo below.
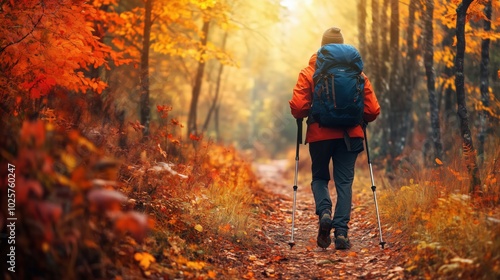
(299, 130)
(364, 125)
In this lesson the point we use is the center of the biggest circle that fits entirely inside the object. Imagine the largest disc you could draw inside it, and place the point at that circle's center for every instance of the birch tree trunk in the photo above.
(468, 146)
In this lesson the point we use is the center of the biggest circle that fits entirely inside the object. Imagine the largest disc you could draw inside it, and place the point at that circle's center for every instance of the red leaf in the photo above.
(47, 212)
(26, 187)
(135, 223)
(195, 137)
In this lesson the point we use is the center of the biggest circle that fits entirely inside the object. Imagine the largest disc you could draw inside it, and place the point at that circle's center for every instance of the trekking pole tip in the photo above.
(382, 243)
(291, 243)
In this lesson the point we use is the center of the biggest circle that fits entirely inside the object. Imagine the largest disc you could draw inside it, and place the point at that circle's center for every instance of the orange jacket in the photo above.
(302, 99)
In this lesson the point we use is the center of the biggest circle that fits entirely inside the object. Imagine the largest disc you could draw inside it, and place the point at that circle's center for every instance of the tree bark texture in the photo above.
(384, 42)
(485, 84)
(468, 146)
(144, 76)
(397, 97)
(195, 95)
(384, 78)
(410, 74)
(431, 79)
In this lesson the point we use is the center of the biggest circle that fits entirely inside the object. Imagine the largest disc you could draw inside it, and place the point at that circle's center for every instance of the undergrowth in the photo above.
(452, 234)
(90, 206)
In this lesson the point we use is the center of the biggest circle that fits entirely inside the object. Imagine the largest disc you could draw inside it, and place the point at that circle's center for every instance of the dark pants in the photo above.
(343, 175)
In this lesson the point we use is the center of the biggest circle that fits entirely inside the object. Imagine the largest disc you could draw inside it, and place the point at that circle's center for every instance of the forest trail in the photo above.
(365, 260)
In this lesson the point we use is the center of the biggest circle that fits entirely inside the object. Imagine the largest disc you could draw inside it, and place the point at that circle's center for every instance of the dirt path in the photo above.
(365, 260)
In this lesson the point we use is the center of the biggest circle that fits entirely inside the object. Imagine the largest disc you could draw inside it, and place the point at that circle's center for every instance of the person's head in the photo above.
(332, 35)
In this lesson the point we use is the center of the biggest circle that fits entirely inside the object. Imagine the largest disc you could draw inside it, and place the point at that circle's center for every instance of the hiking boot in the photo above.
(325, 225)
(342, 242)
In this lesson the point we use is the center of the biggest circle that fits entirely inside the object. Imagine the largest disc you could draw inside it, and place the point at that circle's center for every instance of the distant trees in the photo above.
(395, 67)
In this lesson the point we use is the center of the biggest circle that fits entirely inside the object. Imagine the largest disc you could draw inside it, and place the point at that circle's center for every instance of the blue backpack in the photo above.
(338, 97)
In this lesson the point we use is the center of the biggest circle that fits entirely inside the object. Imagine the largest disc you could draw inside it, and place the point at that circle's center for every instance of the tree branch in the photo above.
(24, 37)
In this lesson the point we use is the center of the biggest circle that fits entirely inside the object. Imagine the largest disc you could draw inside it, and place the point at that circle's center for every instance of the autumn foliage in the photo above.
(98, 198)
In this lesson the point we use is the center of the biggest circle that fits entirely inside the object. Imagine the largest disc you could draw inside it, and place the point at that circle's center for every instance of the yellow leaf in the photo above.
(198, 228)
(145, 259)
(252, 258)
(69, 161)
(405, 188)
(196, 265)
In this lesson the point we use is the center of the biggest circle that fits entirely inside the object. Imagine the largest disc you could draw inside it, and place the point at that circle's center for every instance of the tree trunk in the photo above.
(217, 87)
(195, 95)
(431, 79)
(450, 115)
(362, 28)
(397, 98)
(216, 124)
(410, 75)
(144, 76)
(468, 147)
(374, 48)
(485, 84)
(385, 55)
(383, 84)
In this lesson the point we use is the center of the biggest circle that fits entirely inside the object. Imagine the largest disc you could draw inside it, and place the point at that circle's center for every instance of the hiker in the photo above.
(339, 144)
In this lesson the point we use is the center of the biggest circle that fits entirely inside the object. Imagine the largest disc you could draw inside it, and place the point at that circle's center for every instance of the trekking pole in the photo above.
(299, 141)
(382, 243)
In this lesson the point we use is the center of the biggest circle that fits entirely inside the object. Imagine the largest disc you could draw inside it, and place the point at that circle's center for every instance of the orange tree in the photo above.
(172, 30)
(49, 43)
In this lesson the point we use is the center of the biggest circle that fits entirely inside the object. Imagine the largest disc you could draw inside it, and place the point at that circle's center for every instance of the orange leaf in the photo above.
(145, 259)
(438, 161)
(195, 265)
(212, 274)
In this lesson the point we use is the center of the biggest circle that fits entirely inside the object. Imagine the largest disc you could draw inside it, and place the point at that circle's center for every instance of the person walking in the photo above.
(339, 145)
